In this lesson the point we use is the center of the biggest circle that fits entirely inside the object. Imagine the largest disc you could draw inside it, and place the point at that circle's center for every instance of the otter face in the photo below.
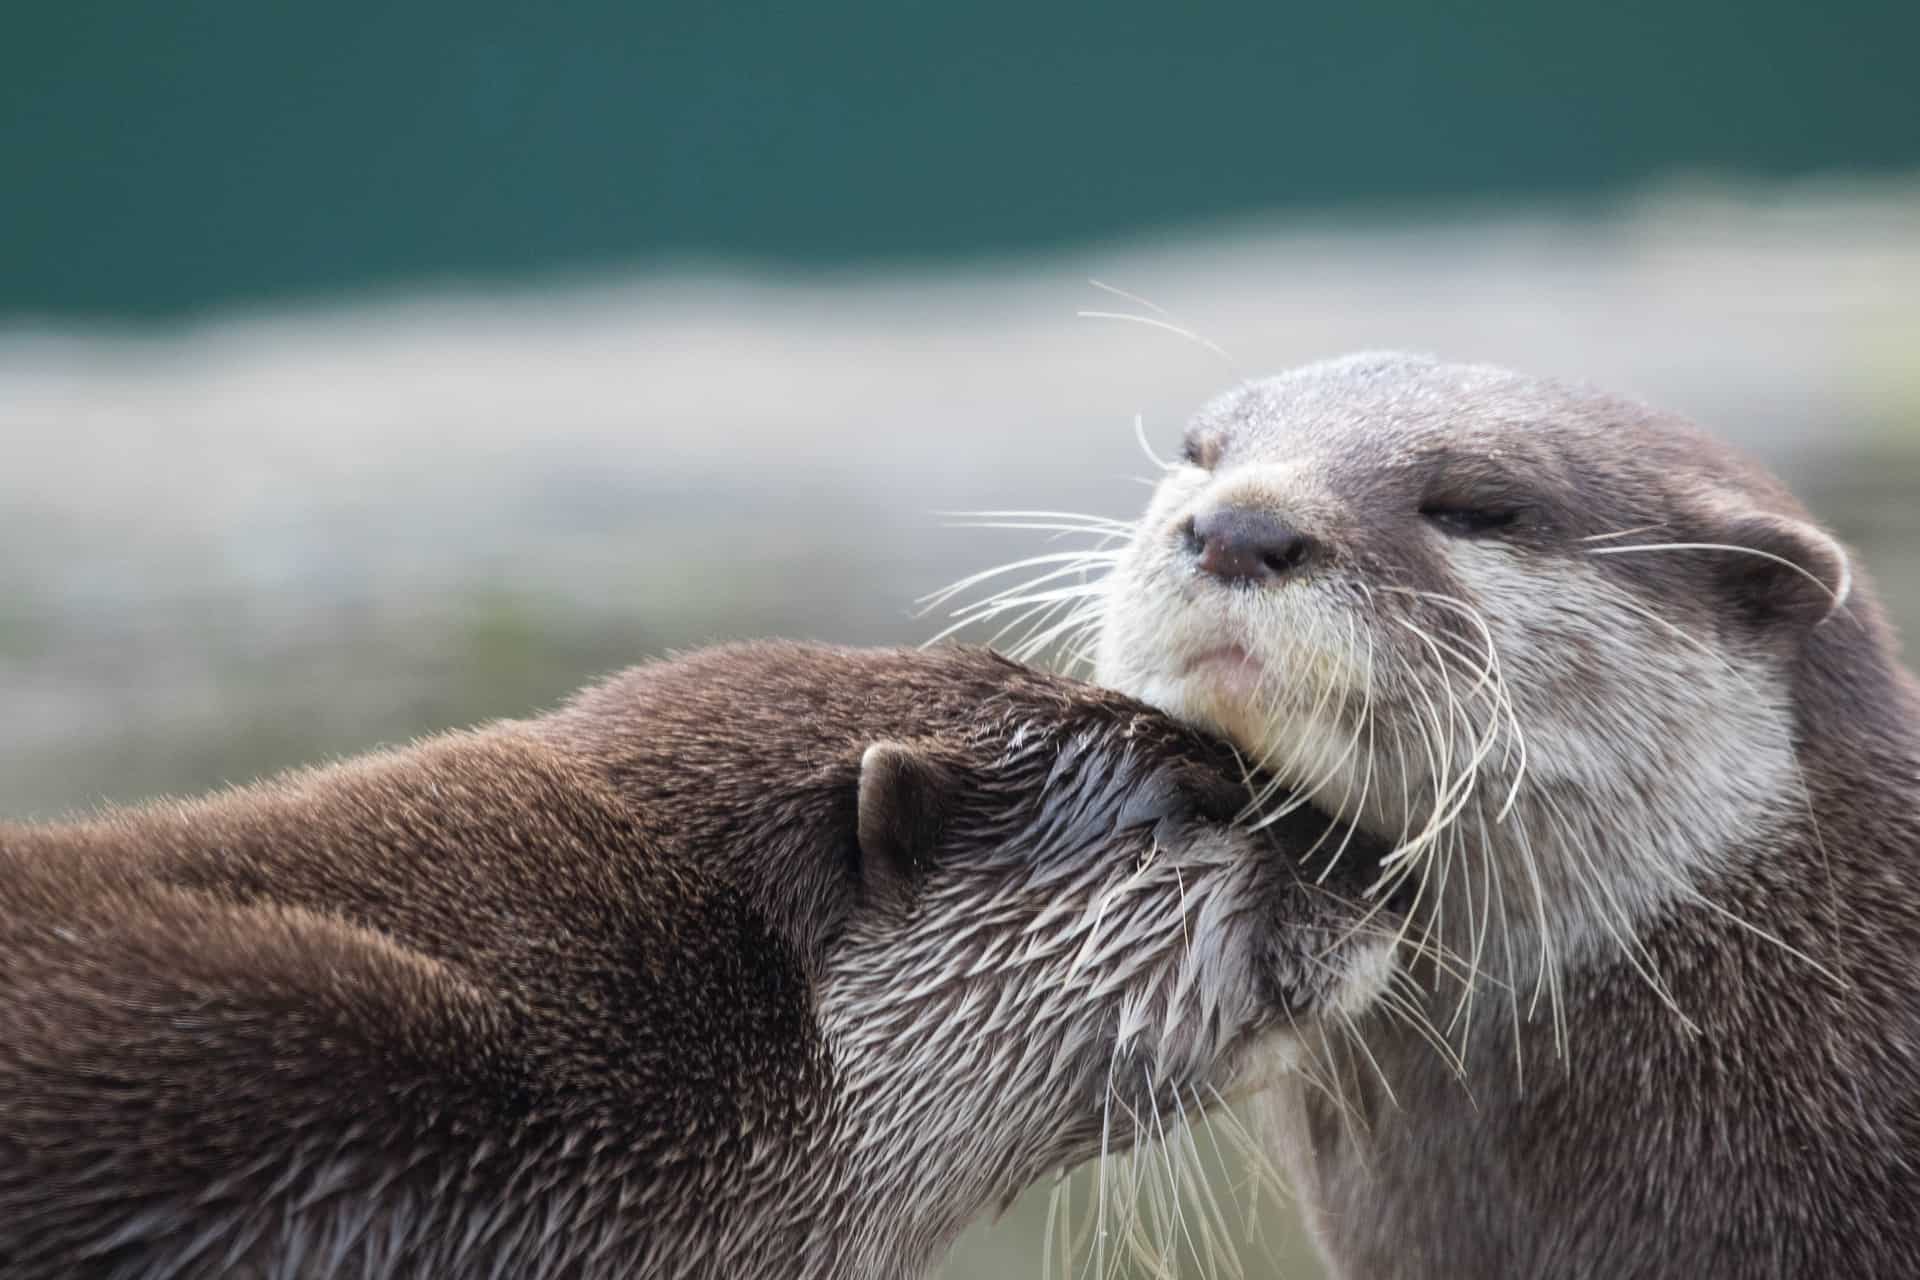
(1032, 920)
(1069, 939)
(1540, 637)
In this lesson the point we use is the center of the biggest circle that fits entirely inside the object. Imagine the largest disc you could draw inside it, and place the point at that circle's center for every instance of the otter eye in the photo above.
(1469, 521)
(1201, 449)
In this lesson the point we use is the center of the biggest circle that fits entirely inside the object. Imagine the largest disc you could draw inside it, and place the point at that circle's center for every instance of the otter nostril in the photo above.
(1237, 544)
(1189, 537)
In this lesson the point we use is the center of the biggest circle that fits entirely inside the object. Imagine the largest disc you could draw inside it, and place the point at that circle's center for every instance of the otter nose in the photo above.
(1237, 544)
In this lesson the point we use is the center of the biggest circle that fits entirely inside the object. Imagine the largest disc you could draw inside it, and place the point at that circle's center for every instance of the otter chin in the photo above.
(1635, 728)
(1222, 686)
(770, 961)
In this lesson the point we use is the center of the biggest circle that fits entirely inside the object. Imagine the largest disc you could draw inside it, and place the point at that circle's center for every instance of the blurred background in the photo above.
(368, 369)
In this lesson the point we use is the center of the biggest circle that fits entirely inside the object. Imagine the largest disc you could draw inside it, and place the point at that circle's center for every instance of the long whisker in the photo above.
(1513, 992)
(1503, 699)
(1140, 437)
(1623, 533)
(1038, 598)
(1194, 1184)
(1608, 909)
(1074, 518)
(1073, 560)
(1167, 321)
(1134, 298)
(1159, 1133)
(1691, 890)
(1547, 979)
(1024, 593)
(1836, 595)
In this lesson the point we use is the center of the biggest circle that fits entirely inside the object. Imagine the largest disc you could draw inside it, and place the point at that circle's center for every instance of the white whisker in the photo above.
(1168, 323)
(1837, 596)
(1623, 533)
(1140, 436)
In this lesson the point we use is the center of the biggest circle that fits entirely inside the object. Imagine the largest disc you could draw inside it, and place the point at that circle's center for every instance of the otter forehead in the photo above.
(1363, 463)
(1376, 426)
(1380, 400)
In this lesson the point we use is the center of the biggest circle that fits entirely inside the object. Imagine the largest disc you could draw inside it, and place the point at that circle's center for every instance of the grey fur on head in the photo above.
(1636, 727)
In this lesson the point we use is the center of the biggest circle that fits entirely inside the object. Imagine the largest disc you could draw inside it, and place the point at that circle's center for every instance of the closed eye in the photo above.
(1465, 521)
(1201, 449)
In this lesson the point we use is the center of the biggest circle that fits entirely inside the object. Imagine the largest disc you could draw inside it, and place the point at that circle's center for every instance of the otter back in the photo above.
(707, 974)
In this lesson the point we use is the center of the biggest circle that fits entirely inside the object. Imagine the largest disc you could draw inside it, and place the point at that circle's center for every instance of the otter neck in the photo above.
(1553, 852)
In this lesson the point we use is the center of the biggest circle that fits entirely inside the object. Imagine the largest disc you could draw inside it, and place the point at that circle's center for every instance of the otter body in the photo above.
(772, 961)
(1639, 733)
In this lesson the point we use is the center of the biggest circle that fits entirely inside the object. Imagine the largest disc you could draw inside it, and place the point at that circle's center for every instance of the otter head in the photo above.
(1553, 645)
(1033, 919)
(1071, 937)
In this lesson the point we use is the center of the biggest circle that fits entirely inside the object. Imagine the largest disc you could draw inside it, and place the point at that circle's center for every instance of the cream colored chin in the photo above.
(1230, 712)
(1293, 747)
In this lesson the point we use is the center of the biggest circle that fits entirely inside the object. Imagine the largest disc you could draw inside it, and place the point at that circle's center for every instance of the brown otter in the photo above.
(770, 961)
(1639, 730)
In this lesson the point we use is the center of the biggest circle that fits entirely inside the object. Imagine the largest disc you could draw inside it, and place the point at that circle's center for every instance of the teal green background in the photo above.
(160, 157)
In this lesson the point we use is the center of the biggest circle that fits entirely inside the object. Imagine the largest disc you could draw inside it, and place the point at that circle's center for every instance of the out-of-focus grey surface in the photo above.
(275, 538)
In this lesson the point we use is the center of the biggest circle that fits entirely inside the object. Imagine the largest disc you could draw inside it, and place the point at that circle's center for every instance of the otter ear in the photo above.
(905, 795)
(1787, 569)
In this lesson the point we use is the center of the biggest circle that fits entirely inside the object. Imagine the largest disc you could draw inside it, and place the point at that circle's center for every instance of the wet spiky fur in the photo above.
(643, 987)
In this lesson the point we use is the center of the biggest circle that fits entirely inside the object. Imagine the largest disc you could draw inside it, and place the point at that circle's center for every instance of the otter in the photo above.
(773, 960)
(1639, 734)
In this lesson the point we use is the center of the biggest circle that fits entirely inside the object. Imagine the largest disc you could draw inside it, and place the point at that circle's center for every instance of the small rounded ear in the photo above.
(1785, 568)
(905, 796)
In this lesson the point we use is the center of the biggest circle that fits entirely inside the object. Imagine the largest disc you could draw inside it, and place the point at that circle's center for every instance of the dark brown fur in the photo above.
(537, 999)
